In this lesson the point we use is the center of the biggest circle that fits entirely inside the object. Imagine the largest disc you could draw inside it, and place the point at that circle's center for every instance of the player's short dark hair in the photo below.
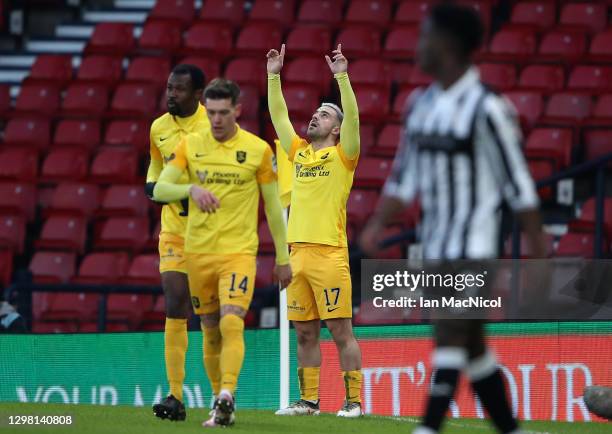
(461, 23)
(197, 75)
(222, 88)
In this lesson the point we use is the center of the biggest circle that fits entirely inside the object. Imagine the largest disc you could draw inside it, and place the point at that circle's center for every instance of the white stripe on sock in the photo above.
(449, 358)
(481, 367)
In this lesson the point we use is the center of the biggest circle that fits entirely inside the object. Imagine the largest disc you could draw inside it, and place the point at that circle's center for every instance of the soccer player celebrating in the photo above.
(321, 286)
(226, 168)
(185, 115)
(461, 154)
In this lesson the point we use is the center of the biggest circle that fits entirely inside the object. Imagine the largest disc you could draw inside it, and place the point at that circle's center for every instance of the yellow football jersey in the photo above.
(166, 133)
(232, 171)
(322, 183)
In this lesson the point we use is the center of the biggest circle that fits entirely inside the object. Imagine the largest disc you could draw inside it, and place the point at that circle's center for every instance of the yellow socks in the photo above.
(232, 350)
(212, 351)
(309, 383)
(175, 347)
(352, 385)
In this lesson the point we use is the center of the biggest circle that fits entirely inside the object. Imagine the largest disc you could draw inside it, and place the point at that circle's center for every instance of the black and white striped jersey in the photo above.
(460, 154)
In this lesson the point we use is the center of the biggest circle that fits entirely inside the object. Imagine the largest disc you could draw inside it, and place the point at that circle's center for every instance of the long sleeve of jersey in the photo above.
(155, 165)
(349, 130)
(276, 221)
(279, 112)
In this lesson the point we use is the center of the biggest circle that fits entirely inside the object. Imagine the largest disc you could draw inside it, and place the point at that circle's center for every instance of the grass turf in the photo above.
(90, 419)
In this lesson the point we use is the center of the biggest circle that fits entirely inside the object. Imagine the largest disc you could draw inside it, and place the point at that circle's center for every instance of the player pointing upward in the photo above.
(321, 286)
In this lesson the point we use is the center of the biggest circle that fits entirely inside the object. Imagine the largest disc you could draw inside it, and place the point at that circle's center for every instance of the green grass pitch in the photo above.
(89, 419)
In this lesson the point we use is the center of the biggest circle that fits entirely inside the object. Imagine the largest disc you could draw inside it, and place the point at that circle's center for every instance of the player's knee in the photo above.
(307, 337)
(231, 325)
(210, 320)
(176, 293)
(341, 331)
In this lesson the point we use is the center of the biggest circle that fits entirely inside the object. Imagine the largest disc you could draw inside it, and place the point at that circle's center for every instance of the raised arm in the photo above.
(349, 130)
(276, 102)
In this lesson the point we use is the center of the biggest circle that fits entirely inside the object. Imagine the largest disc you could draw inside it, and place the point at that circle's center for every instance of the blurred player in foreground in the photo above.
(321, 287)
(185, 115)
(227, 167)
(460, 152)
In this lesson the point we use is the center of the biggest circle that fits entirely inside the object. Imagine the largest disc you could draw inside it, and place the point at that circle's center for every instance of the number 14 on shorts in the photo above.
(244, 283)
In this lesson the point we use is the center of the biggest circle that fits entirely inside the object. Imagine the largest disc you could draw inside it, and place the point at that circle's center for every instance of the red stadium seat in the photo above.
(144, 270)
(309, 40)
(77, 199)
(372, 172)
(111, 38)
(222, 11)
(12, 233)
(5, 99)
(79, 133)
(124, 200)
(526, 252)
(541, 169)
(110, 327)
(250, 125)
(65, 164)
(210, 66)
(160, 37)
(128, 308)
(6, 266)
(153, 70)
(360, 206)
(71, 306)
(38, 98)
(114, 165)
(52, 267)
(373, 103)
(366, 137)
(85, 100)
(266, 243)
(590, 16)
(208, 39)
(18, 164)
(255, 39)
(597, 143)
(47, 327)
(28, 131)
(51, 68)
(63, 233)
(358, 41)
(322, 12)
(102, 268)
(301, 99)
(412, 12)
(247, 70)
(529, 106)
(562, 45)
(500, 76)
(586, 220)
(105, 70)
(576, 244)
(308, 71)
(125, 233)
(177, 12)
(134, 100)
(388, 140)
(370, 71)
(371, 12)
(418, 78)
(265, 269)
(249, 98)
(568, 107)
(591, 78)
(18, 199)
(134, 133)
(601, 46)
(603, 110)
(551, 143)
(513, 43)
(544, 78)
(483, 7)
(153, 241)
(540, 14)
(275, 12)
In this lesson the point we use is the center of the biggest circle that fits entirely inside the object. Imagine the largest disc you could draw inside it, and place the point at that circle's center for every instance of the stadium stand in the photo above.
(74, 133)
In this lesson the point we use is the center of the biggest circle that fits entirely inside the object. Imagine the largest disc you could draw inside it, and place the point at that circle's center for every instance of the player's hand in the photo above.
(369, 239)
(204, 199)
(283, 274)
(340, 64)
(275, 60)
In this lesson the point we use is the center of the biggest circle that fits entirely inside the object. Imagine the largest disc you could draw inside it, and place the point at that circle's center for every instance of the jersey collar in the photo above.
(468, 79)
(187, 123)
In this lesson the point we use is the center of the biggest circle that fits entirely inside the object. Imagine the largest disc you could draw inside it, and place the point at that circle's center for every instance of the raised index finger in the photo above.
(282, 52)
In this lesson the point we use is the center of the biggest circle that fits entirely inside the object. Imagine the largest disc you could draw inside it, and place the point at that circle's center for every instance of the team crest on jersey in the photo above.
(202, 176)
(241, 156)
